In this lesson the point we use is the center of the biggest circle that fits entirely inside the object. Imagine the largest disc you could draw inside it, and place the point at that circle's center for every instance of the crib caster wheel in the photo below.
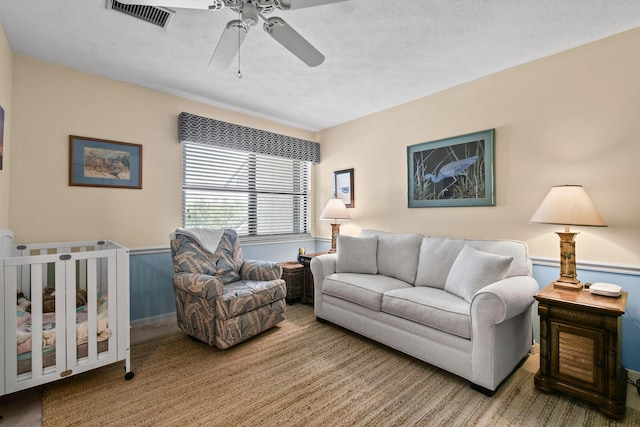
(128, 376)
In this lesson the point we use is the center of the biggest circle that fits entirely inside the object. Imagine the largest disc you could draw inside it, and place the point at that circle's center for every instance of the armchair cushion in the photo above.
(260, 270)
(225, 262)
(188, 256)
(247, 295)
(228, 257)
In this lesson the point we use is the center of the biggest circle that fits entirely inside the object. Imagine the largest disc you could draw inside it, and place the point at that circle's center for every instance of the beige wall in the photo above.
(571, 118)
(51, 103)
(6, 59)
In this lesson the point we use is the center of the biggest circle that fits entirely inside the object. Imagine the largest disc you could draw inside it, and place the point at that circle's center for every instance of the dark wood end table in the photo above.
(308, 288)
(580, 347)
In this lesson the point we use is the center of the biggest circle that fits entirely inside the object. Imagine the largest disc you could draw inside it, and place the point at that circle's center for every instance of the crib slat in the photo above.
(92, 309)
(36, 321)
(71, 350)
(10, 338)
(122, 307)
(112, 304)
(61, 331)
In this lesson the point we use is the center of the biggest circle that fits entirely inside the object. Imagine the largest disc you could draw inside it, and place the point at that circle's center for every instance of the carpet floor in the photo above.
(300, 373)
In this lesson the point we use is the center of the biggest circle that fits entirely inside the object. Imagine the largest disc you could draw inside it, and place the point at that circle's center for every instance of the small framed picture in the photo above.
(343, 186)
(102, 163)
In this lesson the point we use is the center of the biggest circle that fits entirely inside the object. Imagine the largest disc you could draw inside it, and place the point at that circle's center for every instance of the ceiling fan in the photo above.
(250, 12)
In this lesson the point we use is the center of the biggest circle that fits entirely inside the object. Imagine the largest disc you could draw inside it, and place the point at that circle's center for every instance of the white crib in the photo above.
(72, 337)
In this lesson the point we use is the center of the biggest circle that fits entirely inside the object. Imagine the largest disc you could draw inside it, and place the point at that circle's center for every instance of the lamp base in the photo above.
(567, 285)
(335, 230)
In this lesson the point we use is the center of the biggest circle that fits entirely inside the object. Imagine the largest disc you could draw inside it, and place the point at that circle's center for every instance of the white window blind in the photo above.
(258, 195)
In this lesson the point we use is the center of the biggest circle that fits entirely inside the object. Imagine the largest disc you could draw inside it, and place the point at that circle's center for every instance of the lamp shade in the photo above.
(335, 210)
(568, 205)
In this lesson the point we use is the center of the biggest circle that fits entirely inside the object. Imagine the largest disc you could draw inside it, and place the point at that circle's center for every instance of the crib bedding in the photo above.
(24, 342)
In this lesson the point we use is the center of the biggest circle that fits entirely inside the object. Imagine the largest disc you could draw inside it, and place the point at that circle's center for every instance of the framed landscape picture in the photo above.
(454, 171)
(102, 163)
(343, 186)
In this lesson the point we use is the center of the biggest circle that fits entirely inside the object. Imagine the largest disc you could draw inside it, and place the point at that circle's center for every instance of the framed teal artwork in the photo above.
(455, 171)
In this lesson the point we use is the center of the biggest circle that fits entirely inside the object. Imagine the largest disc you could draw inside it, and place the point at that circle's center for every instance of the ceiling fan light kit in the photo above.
(250, 13)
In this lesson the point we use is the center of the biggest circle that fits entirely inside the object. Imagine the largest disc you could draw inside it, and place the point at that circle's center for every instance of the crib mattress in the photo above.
(24, 342)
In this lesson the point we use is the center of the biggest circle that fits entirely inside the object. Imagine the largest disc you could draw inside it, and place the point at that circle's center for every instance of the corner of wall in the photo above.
(6, 85)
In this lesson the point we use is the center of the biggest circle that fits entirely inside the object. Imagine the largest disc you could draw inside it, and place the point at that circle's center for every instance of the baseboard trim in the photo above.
(535, 348)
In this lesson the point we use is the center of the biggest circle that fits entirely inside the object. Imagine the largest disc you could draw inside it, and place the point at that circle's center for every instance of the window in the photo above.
(258, 195)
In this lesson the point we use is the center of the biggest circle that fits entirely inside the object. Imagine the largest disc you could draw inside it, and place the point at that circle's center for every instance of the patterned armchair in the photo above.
(221, 299)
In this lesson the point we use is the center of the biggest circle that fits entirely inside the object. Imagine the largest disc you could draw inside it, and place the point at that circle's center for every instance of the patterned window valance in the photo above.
(203, 130)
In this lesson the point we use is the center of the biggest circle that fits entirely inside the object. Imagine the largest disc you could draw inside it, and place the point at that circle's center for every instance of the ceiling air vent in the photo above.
(156, 15)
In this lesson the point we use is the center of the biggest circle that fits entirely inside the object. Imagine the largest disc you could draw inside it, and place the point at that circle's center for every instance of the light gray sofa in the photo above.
(462, 305)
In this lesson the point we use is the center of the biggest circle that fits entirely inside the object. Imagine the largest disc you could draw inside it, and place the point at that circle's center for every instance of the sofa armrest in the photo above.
(321, 266)
(263, 271)
(198, 285)
(504, 299)
(501, 328)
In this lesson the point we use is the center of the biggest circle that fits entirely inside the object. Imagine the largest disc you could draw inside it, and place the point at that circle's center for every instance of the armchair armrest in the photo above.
(198, 285)
(260, 270)
(504, 299)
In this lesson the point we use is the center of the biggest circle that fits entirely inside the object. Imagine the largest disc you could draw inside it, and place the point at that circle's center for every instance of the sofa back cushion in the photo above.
(356, 254)
(397, 254)
(437, 255)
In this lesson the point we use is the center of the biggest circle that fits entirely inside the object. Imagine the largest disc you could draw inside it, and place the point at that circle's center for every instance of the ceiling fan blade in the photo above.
(185, 4)
(289, 38)
(299, 4)
(229, 44)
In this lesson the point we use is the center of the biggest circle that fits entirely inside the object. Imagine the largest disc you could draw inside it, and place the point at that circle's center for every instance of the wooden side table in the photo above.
(308, 288)
(580, 347)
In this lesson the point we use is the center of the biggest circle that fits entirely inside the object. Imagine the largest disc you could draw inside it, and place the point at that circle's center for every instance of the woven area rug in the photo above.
(301, 373)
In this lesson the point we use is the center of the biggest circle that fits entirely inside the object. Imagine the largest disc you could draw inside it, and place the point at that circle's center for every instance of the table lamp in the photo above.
(568, 205)
(335, 210)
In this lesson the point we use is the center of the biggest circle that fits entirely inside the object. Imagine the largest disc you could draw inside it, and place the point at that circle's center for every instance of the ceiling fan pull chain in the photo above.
(239, 45)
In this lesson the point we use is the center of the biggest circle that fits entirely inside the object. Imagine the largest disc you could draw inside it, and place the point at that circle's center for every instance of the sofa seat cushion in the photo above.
(431, 307)
(362, 289)
(247, 295)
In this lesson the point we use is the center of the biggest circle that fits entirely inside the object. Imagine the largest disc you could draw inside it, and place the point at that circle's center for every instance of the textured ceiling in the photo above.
(379, 53)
